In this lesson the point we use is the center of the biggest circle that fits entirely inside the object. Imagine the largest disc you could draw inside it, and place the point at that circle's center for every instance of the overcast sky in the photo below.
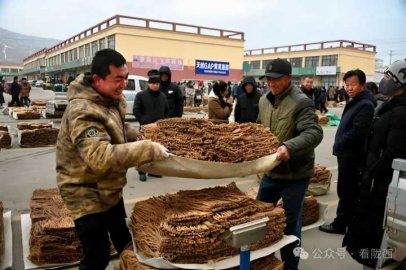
(265, 23)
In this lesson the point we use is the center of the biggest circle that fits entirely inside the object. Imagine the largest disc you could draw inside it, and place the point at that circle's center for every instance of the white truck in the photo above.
(135, 84)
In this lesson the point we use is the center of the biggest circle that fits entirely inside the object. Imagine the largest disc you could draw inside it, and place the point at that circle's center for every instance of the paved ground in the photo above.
(24, 169)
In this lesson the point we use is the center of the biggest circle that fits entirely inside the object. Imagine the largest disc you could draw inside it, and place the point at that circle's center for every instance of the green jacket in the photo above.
(291, 117)
(92, 153)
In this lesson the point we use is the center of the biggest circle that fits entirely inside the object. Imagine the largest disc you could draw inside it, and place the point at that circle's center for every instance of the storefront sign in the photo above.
(153, 62)
(212, 68)
(330, 70)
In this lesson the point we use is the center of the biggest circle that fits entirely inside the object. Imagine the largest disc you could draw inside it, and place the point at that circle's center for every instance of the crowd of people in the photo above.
(365, 145)
(95, 147)
(19, 91)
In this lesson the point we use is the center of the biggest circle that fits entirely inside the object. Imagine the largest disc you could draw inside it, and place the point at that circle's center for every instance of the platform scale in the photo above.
(394, 223)
(243, 235)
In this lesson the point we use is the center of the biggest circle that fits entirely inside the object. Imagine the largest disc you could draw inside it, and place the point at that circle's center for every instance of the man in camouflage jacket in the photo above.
(93, 155)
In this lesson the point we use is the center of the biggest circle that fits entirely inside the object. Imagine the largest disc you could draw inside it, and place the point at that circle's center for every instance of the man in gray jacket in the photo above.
(290, 116)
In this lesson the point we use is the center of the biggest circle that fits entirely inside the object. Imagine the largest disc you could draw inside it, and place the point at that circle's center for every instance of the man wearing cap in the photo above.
(150, 105)
(290, 115)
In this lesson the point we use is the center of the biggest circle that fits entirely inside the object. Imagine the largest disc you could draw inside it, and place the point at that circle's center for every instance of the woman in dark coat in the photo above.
(386, 141)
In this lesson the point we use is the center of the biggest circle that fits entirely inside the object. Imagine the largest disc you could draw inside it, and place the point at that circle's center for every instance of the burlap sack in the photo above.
(190, 168)
(321, 188)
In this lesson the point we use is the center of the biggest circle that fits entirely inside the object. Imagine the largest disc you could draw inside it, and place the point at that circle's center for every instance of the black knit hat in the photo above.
(154, 76)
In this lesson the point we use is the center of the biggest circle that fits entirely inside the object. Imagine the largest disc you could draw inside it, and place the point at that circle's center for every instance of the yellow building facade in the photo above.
(8, 71)
(326, 62)
(145, 44)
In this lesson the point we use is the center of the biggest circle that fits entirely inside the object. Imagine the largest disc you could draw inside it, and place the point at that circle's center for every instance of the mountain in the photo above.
(14, 47)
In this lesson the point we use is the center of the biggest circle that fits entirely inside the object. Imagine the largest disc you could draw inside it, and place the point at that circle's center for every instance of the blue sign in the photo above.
(212, 68)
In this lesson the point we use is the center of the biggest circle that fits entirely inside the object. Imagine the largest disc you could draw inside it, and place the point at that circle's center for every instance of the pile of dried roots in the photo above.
(203, 140)
(189, 226)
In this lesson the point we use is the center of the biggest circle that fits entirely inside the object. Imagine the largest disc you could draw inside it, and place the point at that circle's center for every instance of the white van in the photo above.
(135, 84)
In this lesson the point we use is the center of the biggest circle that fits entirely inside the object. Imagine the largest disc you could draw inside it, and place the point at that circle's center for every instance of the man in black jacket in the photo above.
(307, 89)
(348, 147)
(247, 109)
(172, 92)
(150, 106)
(15, 92)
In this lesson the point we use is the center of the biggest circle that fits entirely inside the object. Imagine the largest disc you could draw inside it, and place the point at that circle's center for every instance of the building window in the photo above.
(70, 55)
(329, 60)
(94, 48)
(87, 50)
(329, 81)
(66, 57)
(6, 70)
(265, 63)
(75, 54)
(111, 42)
(14, 70)
(311, 61)
(296, 62)
(255, 64)
(102, 44)
(81, 52)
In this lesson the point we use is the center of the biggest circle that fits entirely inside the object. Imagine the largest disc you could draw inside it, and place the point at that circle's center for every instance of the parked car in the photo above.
(47, 85)
(135, 84)
(39, 83)
(60, 87)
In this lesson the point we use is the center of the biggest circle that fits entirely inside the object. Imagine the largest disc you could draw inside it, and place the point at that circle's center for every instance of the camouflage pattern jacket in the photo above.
(92, 152)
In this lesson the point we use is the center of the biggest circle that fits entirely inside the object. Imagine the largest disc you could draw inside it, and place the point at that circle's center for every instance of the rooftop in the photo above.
(313, 46)
(143, 23)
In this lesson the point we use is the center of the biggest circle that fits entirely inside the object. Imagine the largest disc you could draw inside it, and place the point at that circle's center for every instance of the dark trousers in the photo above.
(2, 101)
(347, 184)
(15, 100)
(25, 101)
(94, 230)
(197, 102)
(316, 104)
(292, 192)
(322, 107)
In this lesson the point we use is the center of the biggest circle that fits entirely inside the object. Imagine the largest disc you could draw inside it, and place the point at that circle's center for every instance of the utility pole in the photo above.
(390, 57)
